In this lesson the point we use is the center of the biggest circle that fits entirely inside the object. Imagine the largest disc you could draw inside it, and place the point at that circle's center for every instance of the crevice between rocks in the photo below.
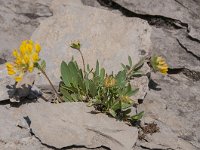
(191, 74)
(63, 148)
(144, 147)
(67, 147)
(154, 20)
(34, 16)
(193, 39)
(185, 48)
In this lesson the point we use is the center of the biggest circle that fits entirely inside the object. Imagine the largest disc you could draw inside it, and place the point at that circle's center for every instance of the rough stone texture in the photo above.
(105, 36)
(5, 81)
(18, 19)
(182, 10)
(167, 44)
(74, 124)
(14, 92)
(142, 84)
(174, 105)
(175, 25)
(13, 137)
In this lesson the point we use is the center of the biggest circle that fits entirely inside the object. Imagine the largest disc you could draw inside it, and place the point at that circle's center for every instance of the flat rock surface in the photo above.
(175, 24)
(67, 124)
(18, 19)
(185, 11)
(5, 81)
(14, 137)
(173, 103)
(105, 36)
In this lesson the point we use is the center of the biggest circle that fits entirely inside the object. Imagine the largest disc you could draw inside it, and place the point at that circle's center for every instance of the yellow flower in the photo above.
(109, 82)
(161, 65)
(75, 45)
(126, 99)
(25, 58)
(37, 48)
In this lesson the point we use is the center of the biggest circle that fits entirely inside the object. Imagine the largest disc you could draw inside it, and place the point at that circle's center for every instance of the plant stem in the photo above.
(83, 63)
(44, 73)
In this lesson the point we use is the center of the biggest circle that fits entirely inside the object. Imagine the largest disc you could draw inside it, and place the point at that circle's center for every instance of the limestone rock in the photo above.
(13, 137)
(142, 84)
(18, 19)
(13, 92)
(105, 36)
(184, 11)
(173, 103)
(176, 55)
(67, 124)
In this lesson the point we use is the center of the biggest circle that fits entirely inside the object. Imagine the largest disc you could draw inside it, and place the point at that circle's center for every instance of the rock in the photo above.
(142, 84)
(180, 40)
(74, 124)
(176, 55)
(97, 34)
(5, 81)
(174, 105)
(18, 19)
(93, 3)
(183, 11)
(189, 45)
(14, 92)
(13, 137)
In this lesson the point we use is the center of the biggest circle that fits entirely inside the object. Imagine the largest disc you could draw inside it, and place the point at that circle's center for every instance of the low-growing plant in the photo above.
(26, 60)
(110, 94)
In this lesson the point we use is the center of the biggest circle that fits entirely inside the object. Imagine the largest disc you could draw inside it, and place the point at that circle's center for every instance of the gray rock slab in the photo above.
(14, 92)
(191, 46)
(182, 10)
(5, 81)
(142, 84)
(167, 45)
(12, 136)
(18, 19)
(174, 105)
(67, 124)
(105, 36)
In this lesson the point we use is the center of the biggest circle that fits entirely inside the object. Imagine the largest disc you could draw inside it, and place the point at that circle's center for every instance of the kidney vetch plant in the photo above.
(107, 93)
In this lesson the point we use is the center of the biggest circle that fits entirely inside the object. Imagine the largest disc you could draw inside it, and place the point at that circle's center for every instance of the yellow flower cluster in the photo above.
(25, 58)
(109, 82)
(126, 99)
(161, 65)
(75, 45)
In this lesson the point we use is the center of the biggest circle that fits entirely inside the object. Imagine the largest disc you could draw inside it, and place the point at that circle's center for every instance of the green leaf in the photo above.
(102, 74)
(43, 65)
(66, 95)
(121, 78)
(65, 73)
(130, 91)
(88, 67)
(154, 63)
(127, 111)
(75, 97)
(139, 64)
(112, 113)
(124, 106)
(130, 61)
(74, 73)
(92, 88)
(123, 66)
(116, 106)
(137, 117)
(137, 74)
(97, 69)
